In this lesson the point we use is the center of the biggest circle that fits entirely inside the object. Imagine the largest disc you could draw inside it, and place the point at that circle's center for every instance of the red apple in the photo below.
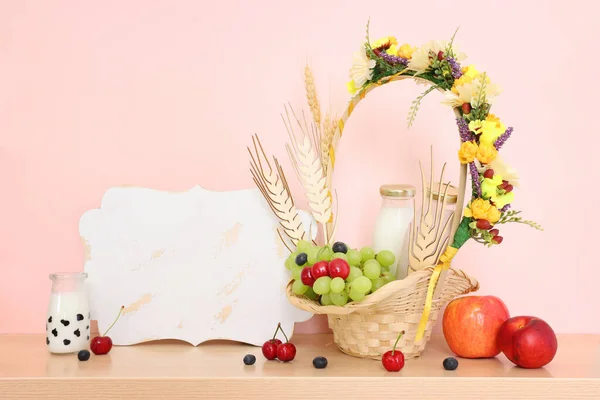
(320, 269)
(527, 341)
(471, 324)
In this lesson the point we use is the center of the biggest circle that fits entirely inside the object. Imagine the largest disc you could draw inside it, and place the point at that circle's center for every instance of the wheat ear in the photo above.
(329, 127)
(307, 165)
(311, 95)
(429, 234)
(274, 187)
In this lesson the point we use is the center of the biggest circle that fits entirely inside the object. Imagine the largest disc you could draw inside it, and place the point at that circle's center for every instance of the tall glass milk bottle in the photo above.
(68, 317)
(392, 227)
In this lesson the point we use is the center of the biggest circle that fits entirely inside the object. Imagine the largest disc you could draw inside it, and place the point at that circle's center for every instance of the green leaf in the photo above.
(463, 233)
(414, 108)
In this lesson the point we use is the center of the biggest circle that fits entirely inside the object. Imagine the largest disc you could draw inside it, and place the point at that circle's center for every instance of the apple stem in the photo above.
(115, 321)
(276, 330)
(395, 344)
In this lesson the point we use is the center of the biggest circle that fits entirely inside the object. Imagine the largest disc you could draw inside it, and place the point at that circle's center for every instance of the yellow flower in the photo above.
(482, 209)
(486, 153)
(469, 73)
(475, 126)
(503, 199)
(393, 50)
(493, 214)
(351, 87)
(384, 42)
(489, 186)
(489, 129)
(478, 209)
(467, 152)
(406, 51)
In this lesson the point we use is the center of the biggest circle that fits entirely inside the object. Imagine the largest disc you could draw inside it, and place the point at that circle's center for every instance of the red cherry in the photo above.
(306, 277)
(494, 232)
(508, 188)
(393, 360)
(102, 344)
(269, 349)
(483, 224)
(466, 108)
(497, 239)
(339, 267)
(286, 352)
(320, 269)
(440, 55)
(489, 174)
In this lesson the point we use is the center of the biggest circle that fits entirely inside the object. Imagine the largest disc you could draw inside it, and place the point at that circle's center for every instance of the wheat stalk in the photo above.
(274, 187)
(307, 165)
(329, 126)
(311, 95)
(429, 234)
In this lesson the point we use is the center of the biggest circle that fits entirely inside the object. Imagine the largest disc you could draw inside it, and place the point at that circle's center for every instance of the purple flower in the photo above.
(503, 138)
(505, 208)
(393, 60)
(475, 179)
(456, 71)
(463, 128)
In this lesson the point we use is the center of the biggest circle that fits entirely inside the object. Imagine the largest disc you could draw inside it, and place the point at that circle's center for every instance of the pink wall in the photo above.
(167, 93)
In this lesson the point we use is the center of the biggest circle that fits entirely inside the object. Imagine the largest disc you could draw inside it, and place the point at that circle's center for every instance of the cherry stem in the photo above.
(276, 330)
(284, 335)
(395, 344)
(115, 321)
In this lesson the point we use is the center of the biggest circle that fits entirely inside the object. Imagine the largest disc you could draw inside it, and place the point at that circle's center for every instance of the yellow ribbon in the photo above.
(443, 264)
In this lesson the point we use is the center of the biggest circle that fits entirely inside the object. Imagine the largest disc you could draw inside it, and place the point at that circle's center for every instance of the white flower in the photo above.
(362, 68)
(469, 93)
(420, 58)
(507, 172)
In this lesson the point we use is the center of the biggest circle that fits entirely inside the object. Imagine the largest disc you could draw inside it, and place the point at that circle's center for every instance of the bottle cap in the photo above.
(400, 190)
(438, 193)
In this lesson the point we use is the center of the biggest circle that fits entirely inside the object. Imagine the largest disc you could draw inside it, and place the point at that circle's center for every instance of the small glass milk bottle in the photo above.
(392, 227)
(68, 318)
(450, 199)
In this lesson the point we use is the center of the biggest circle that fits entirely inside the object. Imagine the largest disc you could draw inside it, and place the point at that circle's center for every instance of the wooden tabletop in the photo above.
(172, 370)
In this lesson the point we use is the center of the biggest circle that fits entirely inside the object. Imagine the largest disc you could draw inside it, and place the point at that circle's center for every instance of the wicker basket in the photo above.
(370, 327)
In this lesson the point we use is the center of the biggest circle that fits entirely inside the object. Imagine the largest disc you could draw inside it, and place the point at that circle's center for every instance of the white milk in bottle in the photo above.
(392, 226)
(68, 317)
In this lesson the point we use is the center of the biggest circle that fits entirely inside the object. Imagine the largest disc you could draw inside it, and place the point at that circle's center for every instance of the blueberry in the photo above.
(320, 362)
(339, 247)
(450, 364)
(249, 359)
(301, 259)
(83, 355)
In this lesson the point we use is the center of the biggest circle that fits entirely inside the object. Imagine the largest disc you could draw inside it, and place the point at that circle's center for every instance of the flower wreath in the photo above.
(470, 93)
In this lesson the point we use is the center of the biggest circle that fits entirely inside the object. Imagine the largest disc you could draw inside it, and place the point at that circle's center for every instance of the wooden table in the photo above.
(171, 370)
